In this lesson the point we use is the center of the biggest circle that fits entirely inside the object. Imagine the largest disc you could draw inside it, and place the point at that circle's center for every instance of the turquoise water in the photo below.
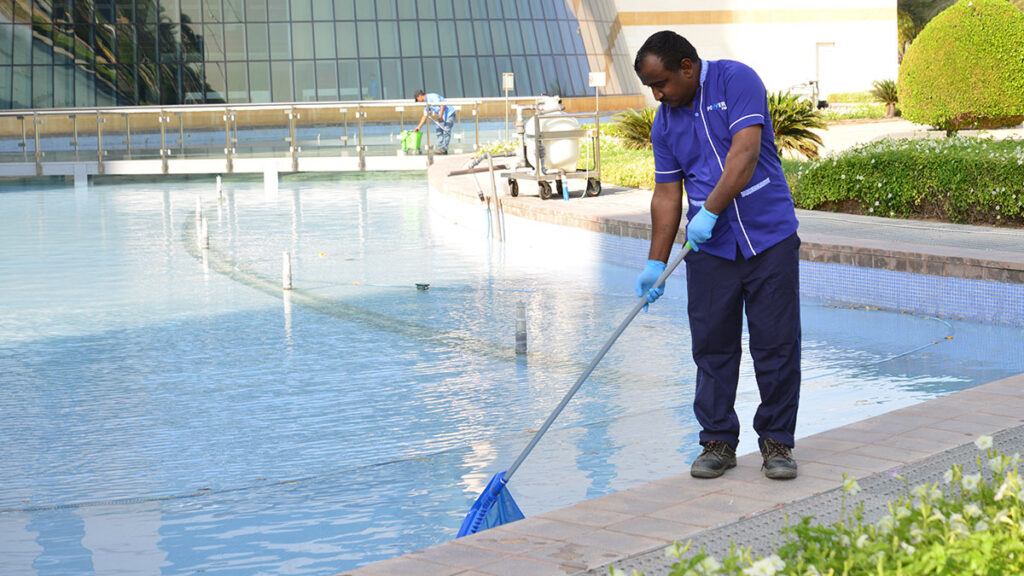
(170, 410)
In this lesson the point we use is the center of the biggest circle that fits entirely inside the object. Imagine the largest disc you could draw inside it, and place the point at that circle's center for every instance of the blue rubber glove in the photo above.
(646, 280)
(698, 231)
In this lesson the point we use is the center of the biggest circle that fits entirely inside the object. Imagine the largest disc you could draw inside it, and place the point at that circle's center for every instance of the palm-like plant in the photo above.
(634, 127)
(793, 120)
(886, 91)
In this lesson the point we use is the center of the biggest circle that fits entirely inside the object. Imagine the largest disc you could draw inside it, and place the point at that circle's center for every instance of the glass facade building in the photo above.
(64, 53)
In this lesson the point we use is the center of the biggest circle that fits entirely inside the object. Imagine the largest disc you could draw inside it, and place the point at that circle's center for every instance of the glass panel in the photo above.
(471, 78)
(560, 9)
(452, 78)
(323, 32)
(407, 9)
(428, 39)
(281, 82)
(498, 37)
(302, 10)
(432, 74)
(367, 41)
(42, 45)
(465, 32)
(345, 37)
(5, 87)
(238, 82)
(549, 9)
(234, 11)
(551, 81)
(343, 9)
(392, 74)
(64, 86)
(511, 12)
(445, 9)
(514, 37)
(522, 75)
(536, 76)
(483, 39)
(6, 45)
(494, 9)
(369, 78)
(537, 9)
(490, 80)
(348, 77)
(326, 80)
(234, 37)
(256, 11)
(216, 82)
(259, 82)
(191, 10)
(365, 10)
(105, 11)
(386, 10)
(412, 76)
(85, 88)
(540, 37)
(258, 41)
(478, 9)
(305, 80)
(555, 34)
(213, 41)
(278, 11)
(524, 10)
(192, 80)
(410, 38)
(426, 9)
(280, 44)
(302, 40)
(388, 31)
(212, 11)
(446, 34)
(22, 44)
(323, 11)
(462, 9)
(564, 78)
(21, 87)
(42, 87)
(170, 41)
(105, 85)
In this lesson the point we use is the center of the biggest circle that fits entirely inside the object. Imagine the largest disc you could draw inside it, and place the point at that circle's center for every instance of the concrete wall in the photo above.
(844, 44)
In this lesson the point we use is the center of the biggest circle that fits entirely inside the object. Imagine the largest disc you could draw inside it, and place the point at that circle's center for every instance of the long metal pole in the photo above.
(593, 363)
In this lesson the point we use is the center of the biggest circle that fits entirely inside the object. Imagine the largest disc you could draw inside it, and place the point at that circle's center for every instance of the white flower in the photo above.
(981, 526)
(998, 463)
(907, 548)
(885, 524)
(1006, 489)
(861, 541)
(1002, 516)
(812, 571)
(948, 476)
(850, 485)
(709, 565)
(970, 482)
(902, 512)
(915, 534)
(972, 510)
(765, 566)
(983, 442)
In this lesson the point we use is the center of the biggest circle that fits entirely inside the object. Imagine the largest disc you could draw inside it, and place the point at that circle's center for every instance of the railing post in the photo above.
(360, 114)
(74, 125)
(476, 115)
(293, 148)
(229, 150)
(164, 152)
(128, 130)
(181, 134)
(36, 122)
(99, 142)
(344, 122)
(24, 139)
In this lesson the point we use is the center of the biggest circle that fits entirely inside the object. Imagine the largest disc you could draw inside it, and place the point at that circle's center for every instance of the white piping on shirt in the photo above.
(756, 187)
(721, 166)
(761, 116)
(668, 171)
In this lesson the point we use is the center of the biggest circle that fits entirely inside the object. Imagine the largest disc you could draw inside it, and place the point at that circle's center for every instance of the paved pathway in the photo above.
(632, 527)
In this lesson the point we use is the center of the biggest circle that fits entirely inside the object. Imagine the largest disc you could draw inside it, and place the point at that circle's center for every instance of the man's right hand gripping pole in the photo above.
(645, 282)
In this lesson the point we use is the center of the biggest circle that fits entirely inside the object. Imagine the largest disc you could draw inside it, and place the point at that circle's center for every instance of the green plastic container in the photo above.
(411, 140)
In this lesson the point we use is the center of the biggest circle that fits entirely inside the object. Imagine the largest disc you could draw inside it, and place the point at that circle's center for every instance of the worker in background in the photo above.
(442, 115)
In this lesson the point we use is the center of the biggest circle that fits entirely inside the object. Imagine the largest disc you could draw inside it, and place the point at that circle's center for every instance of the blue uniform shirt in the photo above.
(433, 98)
(690, 144)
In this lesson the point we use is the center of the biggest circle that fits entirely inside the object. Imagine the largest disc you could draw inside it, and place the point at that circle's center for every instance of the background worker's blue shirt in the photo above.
(690, 144)
(433, 98)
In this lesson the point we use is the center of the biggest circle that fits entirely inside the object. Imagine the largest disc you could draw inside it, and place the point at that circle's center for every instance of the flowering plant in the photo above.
(966, 524)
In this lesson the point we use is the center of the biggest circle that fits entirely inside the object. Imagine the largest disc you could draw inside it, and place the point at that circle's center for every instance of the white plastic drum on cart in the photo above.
(559, 153)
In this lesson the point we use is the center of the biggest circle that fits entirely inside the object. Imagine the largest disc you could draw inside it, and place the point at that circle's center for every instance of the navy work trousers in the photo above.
(768, 287)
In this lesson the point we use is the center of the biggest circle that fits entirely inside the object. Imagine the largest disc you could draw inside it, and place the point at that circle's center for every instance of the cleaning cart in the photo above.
(548, 146)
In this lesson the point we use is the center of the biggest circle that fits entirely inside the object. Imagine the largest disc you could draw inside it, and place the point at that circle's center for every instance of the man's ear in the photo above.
(686, 65)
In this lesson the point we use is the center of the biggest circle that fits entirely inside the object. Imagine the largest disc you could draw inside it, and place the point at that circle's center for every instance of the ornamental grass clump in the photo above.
(962, 180)
(968, 523)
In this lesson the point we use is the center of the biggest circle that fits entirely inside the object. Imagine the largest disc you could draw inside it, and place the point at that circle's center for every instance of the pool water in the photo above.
(169, 409)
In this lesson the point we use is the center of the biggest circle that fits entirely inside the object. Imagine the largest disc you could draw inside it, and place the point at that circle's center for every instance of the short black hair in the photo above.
(418, 93)
(669, 47)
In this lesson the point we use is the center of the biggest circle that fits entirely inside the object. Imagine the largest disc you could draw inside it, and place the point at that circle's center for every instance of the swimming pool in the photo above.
(168, 409)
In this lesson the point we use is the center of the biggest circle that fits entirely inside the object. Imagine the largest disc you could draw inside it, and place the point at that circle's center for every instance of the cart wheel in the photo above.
(513, 187)
(593, 187)
(545, 190)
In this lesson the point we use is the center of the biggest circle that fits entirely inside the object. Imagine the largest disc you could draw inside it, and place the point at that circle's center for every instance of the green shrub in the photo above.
(966, 68)
(793, 119)
(967, 524)
(858, 112)
(633, 127)
(621, 164)
(966, 180)
(851, 97)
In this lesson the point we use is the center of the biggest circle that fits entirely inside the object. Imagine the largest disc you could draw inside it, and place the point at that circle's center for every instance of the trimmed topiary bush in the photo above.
(966, 68)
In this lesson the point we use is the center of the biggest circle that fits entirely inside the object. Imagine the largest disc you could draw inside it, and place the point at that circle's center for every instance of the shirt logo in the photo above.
(718, 106)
